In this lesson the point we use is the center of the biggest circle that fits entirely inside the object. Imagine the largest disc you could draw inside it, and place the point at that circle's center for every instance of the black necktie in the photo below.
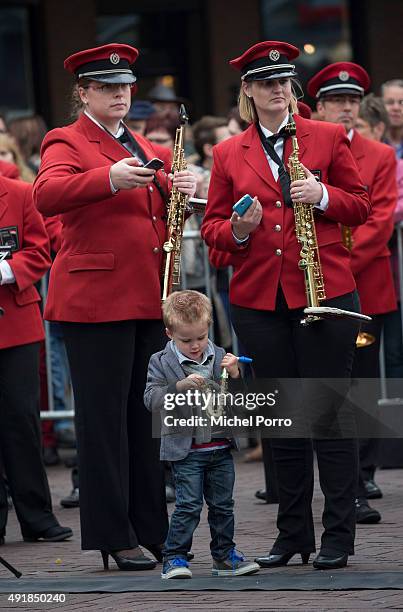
(129, 143)
(281, 134)
(284, 178)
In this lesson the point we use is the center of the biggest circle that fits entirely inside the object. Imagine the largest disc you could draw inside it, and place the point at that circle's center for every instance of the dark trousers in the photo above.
(393, 343)
(122, 493)
(282, 348)
(20, 441)
(210, 474)
(366, 365)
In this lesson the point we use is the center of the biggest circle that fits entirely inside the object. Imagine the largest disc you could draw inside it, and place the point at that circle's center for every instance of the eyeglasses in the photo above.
(109, 87)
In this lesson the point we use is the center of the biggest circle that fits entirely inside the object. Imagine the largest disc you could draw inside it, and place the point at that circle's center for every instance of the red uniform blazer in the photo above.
(370, 256)
(9, 170)
(108, 267)
(54, 230)
(272, 253)
(22, 320)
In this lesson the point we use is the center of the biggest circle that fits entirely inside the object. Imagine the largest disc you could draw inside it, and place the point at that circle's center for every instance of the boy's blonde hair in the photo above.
(186, 306)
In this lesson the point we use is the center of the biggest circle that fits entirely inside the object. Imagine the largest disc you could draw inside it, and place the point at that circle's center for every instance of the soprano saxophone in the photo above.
(176, 216)
(306, 236)
(310, 259)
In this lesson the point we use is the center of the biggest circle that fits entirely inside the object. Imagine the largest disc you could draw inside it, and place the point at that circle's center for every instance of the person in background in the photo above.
(105, 290)
(140, 111)
(207, 132)
(338, 89)
(21, 331)
(29, 133)
(3, 125)
(10, 152)
(392, 96)
(164, 99)
(373, 119)
(236, 125)
(161, 129)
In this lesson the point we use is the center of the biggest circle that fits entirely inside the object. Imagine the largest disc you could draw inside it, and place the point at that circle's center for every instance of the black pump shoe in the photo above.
(156, 551)
(127, 564)
(280, 560)
(57, 533)
(324, 562)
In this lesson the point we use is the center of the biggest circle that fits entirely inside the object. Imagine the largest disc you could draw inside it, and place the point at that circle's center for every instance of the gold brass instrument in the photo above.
(217, 395)
(176, 215)
(310, 260)
(364, 338)
(347, 237)
(306, 236)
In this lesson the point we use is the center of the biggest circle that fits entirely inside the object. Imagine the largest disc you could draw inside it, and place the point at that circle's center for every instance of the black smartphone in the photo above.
(154, 164)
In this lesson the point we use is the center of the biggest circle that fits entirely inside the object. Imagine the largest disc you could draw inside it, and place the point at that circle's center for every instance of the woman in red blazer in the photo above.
(105, 289)
(21, 331)
(267, 291)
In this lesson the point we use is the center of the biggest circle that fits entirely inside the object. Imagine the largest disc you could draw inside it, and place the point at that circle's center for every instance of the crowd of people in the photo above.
(79, 201)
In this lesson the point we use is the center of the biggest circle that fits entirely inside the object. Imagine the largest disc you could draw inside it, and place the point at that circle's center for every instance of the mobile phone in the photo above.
(154, 164)
(242, 205)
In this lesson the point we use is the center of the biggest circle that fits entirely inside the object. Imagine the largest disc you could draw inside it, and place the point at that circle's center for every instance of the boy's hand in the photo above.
(193, 381)
(230, 363)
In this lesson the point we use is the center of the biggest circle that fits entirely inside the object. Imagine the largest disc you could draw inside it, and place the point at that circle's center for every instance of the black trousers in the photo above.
(20, 441)
(282, 348)
(122, 492)
(366, 365)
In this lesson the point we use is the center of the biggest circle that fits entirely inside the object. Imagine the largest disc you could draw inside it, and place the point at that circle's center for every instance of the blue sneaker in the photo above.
(234, 565)
(177, 567)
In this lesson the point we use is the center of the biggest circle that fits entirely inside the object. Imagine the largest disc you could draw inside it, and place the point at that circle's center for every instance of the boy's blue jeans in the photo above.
(210, 474)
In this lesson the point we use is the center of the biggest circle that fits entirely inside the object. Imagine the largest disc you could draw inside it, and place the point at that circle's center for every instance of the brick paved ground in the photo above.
(379, 548)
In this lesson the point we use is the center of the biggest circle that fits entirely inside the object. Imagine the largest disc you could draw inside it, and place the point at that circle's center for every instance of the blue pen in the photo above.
(245, 359)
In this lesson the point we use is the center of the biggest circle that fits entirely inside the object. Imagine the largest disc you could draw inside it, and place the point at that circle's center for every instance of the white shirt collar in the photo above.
(267, 132)
(181, 357)
(118, 133)
(350, 134)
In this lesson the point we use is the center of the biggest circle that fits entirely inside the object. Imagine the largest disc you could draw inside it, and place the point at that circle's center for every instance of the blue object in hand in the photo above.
(245, 359)
(242, 205)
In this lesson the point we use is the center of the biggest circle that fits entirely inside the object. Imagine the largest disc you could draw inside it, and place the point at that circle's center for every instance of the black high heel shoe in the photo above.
(323, 562)
(127, 564)
(156, 551)
(280, 560)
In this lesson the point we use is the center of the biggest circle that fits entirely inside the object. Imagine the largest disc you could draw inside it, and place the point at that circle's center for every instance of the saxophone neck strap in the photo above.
(284, 177)
(128, 142)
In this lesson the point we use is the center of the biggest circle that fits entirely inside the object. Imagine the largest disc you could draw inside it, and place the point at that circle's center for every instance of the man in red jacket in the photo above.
(21, 331)
(339, 89)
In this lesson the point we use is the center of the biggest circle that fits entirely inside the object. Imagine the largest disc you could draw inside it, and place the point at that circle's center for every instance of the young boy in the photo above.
(201, 459)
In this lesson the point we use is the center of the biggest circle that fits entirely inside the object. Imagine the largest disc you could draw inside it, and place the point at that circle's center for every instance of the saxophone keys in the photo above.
(168, 247)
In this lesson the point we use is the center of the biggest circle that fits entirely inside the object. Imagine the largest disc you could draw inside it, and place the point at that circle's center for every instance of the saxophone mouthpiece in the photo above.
(291, 128)
(183, 116)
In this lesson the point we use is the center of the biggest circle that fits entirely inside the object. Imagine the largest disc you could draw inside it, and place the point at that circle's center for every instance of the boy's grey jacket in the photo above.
(164, 371)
